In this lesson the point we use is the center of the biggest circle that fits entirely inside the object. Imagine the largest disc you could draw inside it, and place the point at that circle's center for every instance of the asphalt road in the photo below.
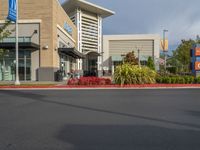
(100, 120)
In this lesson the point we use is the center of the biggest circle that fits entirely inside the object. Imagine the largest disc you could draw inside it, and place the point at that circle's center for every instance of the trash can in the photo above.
(59, 76)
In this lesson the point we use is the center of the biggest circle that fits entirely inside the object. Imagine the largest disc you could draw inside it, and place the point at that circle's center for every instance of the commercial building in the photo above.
(57, 40)
(51, 41)
(115, 47)
(45, 35)
(88, 19)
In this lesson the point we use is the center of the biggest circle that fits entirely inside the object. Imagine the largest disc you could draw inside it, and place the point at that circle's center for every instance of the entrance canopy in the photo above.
(71, 52)
(92, 53)
(28, 46)
(24, 43)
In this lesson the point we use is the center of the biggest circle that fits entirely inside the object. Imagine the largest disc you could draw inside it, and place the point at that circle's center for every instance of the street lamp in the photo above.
(17, 82)
(164, 46)
(102, 63)
(139, 58)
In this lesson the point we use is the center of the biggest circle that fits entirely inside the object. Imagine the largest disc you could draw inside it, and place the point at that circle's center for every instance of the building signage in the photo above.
(197, 51)
(68, 28)
(12, 11)
(197, 65)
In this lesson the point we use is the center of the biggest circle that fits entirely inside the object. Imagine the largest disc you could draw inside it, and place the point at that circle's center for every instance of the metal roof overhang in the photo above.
(71, 52)
(70, 5)
(92, 53)
(22, 45)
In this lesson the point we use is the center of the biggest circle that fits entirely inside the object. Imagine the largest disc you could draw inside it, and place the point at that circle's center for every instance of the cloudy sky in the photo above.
(180, 17)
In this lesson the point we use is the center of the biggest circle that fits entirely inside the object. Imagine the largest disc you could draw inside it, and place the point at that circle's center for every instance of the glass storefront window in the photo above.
(67, 65)
(7, 69)
(7, 66)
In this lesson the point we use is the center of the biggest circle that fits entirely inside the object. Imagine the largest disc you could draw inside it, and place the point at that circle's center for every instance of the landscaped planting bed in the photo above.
(89, 81)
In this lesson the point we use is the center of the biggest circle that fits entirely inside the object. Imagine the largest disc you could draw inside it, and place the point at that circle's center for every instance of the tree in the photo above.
(131, 59)
(182, 55)
(150, 63)
(4, 33)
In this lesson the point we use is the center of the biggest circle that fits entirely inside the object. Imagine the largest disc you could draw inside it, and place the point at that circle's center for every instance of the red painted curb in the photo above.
(104, 86)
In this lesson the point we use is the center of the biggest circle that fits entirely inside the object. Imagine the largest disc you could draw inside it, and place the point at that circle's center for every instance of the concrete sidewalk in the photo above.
(10, 83)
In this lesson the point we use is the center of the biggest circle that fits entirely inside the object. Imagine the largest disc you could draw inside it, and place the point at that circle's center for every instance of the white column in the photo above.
(100, 51)
(79, 28)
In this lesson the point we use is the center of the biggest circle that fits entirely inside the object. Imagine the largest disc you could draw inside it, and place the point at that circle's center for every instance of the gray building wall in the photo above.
(114, 46)
(119, 47)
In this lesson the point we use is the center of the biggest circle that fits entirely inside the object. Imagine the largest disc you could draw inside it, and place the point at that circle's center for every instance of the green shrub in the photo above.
(168, 80)
(197, 80)
(172, 70)
(191, 79)
(159, 79)
(186, 79)
(132, 74)
(180, 80)
(173, 80)
(176, 79)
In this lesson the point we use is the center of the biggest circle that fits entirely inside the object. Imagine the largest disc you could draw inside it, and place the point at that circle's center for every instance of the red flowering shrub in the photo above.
(89, 81)
(73, 81)
(108, 81)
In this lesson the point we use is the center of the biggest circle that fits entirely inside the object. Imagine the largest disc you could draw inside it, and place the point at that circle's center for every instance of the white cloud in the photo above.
(180, 17)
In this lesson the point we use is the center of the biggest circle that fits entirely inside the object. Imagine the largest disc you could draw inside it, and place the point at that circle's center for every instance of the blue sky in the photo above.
(180, 17)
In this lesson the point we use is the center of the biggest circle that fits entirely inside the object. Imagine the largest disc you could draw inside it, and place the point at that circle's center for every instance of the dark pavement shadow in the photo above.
(123, 137)
(193, 113)
(44, 99)
(22, 94)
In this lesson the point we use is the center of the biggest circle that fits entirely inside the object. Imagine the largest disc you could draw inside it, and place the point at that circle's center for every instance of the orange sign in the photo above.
(197, 51)
(197, 65)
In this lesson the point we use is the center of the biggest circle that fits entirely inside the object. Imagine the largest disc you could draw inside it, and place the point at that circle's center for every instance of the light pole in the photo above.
(102, 66)
(165, 50)
(139, 58)
(17, 46)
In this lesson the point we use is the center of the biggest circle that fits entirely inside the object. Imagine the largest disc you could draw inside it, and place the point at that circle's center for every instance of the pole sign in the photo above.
(12, 11)
(197, 51)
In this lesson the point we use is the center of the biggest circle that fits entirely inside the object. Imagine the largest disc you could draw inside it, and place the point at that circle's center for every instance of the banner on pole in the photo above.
(12, 11)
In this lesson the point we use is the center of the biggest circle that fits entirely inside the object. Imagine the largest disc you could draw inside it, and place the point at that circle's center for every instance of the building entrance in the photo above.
(90, 64)
(67, 66)
(92, 67)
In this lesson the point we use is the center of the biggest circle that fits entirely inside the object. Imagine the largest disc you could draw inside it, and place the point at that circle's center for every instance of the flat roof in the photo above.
(132, 36)
(70, 5)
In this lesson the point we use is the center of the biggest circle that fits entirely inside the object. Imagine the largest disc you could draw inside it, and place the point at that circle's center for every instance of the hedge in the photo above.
(177, 79)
